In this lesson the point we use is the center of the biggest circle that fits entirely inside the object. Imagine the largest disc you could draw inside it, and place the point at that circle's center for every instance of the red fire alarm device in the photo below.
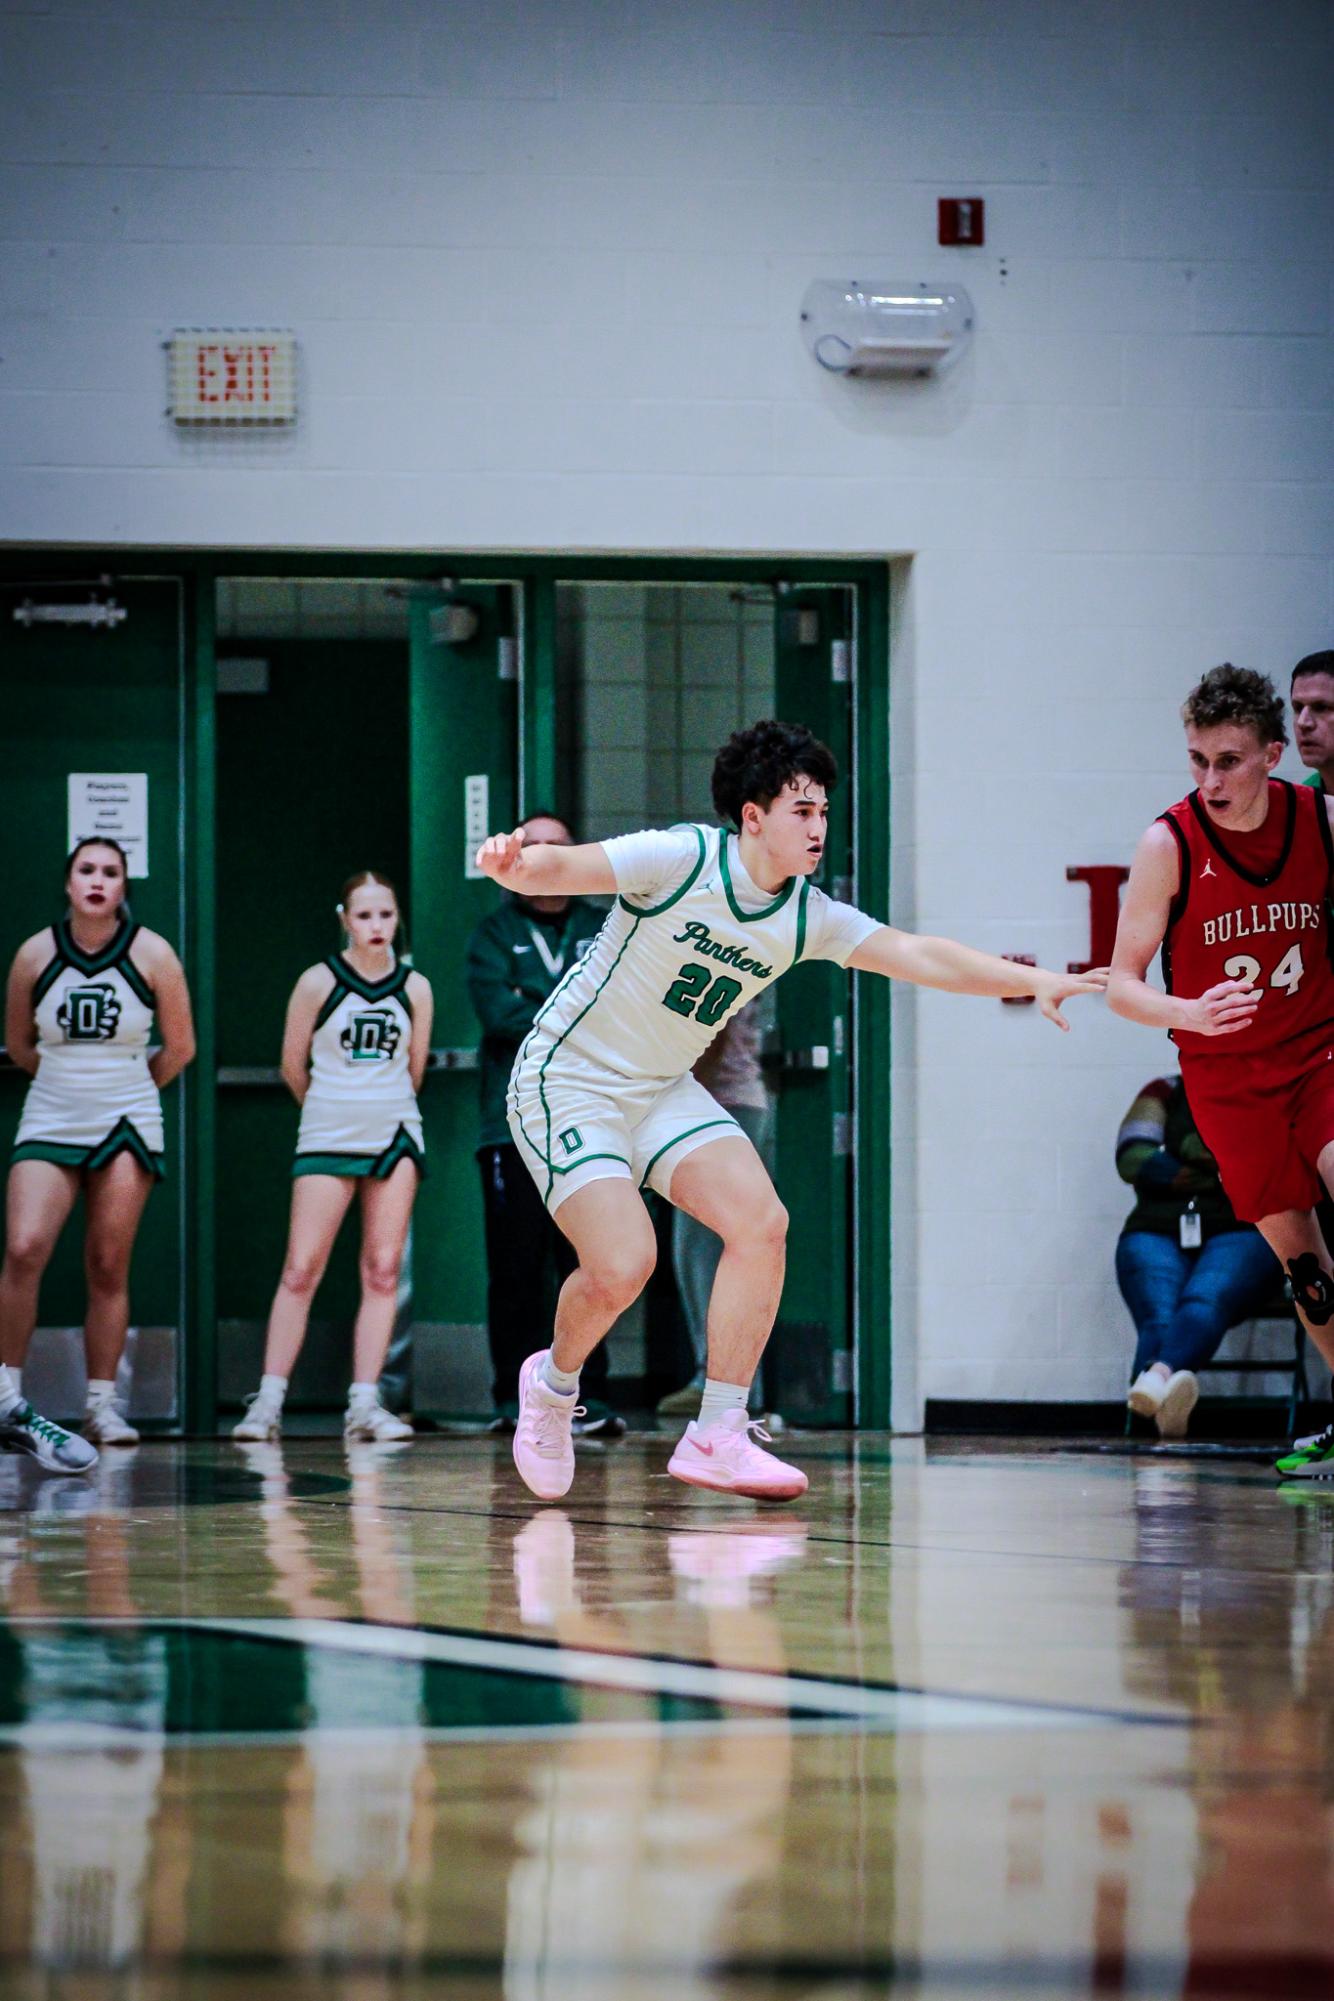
(962, 220)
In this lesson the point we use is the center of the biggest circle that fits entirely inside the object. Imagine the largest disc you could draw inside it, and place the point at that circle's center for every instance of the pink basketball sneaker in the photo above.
(726, 1458)
(543, 1447)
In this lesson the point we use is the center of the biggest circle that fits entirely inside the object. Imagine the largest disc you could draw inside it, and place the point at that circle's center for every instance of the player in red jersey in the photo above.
(1233, 884)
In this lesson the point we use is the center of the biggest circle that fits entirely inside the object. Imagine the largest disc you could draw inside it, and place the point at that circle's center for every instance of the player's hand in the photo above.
(500, 857)
(1050, 989)
(1224, 1010)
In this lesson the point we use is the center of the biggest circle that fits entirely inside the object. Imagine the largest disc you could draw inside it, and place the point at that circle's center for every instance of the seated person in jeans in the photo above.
(1188, 1270)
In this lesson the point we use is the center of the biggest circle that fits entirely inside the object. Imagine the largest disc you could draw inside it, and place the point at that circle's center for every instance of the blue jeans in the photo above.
(1183, 1302)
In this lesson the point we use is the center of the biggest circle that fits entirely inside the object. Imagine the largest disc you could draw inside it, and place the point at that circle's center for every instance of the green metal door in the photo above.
(312, 786)
(106, 699)
(464, 753)
(812, 1359)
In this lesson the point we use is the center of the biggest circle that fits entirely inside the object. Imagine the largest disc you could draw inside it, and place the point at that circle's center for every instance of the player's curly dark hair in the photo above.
(1229, 694)
(757, 763)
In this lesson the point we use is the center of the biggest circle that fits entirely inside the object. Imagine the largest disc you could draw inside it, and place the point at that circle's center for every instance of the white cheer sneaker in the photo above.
(375, 1423)
(262, 1423)
(104, 1425)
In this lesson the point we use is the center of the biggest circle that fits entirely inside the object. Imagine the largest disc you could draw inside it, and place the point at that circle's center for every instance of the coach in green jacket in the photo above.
(515, 957)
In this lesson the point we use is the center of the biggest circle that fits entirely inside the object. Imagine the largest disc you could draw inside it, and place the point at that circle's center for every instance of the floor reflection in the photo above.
(295, 1719)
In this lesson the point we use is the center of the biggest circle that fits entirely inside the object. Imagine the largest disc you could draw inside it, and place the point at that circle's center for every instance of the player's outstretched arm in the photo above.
(959, 969)
(1155, 876)
(544, 870)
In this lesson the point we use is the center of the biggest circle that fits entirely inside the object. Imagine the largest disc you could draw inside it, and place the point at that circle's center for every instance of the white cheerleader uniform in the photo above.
(93, 1096)
(601, 1089)
(360, 1114)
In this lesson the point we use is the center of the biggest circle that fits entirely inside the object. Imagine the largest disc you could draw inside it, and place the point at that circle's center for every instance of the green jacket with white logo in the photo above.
(515, 959)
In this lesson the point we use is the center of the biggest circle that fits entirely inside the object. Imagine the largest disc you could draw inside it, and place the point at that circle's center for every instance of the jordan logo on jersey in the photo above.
(372, 1037)
(1208, 869)
(89, 1014)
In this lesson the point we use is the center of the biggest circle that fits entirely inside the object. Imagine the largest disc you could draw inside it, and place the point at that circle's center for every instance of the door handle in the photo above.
(814, 1058)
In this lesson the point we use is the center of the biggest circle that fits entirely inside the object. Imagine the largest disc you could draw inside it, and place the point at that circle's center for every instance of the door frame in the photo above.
(537, 578)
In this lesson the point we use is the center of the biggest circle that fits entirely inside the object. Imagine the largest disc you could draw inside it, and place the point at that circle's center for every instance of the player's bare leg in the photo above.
(1295, 1239)
(724, 1186)
(609, 1226)
(1293, 1235)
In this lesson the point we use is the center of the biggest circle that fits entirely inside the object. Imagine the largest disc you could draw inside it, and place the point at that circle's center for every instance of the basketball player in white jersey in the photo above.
(354, 1054)
(79, 1009)
(601, 1102)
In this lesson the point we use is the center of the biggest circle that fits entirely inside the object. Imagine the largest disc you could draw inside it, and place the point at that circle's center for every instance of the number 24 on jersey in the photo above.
(1287, 974)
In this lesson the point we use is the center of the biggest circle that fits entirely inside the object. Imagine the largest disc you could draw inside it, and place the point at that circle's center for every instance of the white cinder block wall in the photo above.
(545, 263)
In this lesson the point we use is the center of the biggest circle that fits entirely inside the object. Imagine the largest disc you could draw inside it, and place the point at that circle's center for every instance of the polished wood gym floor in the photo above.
(968, 1721)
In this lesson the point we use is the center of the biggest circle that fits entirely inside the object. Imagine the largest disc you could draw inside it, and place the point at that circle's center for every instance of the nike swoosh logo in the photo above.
(707, 1450)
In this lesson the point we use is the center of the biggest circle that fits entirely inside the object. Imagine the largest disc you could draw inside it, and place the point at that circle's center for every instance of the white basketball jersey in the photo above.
(674, 960)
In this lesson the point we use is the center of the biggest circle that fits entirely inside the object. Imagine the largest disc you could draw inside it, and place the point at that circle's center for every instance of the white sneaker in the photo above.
(727, 1457)
(1168, 1400)
(262, 1422)
(104, 1425)
(56, 1450)
(373, 1421)
(1146, 1393)
(1181, 1393)
(543, 1446)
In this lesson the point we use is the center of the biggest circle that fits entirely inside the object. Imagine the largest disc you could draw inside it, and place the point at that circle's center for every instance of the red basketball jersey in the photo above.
(1254, 907)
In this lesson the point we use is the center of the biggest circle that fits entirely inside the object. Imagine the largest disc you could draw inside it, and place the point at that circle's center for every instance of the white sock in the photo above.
(719, 1399)
(273, 1389)
(561, 1380)
(363, 1393)
(101, 1389)
(11, 1391)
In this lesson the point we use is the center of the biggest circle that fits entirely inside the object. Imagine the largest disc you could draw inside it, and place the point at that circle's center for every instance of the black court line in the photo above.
(744, 1525)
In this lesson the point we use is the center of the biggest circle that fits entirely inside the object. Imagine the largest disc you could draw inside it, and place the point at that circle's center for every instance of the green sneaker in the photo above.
(1310, 1458)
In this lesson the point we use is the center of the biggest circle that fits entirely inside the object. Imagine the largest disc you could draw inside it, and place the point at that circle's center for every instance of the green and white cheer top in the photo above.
(689, 941)
(360, 1114)
(93, 1096)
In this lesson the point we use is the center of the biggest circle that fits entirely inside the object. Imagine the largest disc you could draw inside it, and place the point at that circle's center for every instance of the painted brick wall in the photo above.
(545, 265)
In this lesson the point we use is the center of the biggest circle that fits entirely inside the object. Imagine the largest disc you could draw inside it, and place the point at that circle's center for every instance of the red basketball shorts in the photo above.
(1265, 1124)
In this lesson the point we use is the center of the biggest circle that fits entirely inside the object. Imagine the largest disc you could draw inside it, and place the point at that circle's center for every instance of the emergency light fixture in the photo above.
(882, 327)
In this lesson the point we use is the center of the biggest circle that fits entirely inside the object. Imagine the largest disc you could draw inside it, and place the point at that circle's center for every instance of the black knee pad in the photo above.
(1312, 1288)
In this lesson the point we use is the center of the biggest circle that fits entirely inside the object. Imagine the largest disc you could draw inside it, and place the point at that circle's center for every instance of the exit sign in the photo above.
(223, 375)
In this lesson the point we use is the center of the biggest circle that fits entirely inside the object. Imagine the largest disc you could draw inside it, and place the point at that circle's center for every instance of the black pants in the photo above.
(526, 1257)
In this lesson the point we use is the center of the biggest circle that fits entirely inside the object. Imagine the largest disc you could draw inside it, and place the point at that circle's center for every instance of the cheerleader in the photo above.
(354, 1054)
(79, 1007)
